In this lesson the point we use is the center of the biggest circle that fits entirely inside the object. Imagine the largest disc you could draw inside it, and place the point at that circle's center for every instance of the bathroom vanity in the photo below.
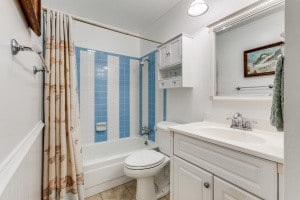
(211, 161)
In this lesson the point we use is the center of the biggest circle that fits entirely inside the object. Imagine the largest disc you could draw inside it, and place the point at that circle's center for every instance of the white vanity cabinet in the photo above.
(176, 63)
(226, 191)
(191, 182)
(203, 170)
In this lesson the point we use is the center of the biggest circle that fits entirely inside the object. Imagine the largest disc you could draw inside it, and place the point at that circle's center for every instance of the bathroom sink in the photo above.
(233, 134)
(260, 143)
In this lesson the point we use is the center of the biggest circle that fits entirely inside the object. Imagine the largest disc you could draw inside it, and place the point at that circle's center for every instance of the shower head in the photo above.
(142, 63)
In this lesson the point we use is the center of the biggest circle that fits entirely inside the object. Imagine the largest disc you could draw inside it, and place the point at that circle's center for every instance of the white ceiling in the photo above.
(131, 15)
(177, 21)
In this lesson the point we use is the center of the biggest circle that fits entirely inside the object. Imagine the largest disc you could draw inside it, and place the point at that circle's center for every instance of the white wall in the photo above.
(189, 105)
(230, 46)
(21, 91)
(177, 21)
(92, 37)
(292, 99)
(147, 47)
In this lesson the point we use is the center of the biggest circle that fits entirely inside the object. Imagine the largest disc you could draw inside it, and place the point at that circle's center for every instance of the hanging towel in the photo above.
(278, 96)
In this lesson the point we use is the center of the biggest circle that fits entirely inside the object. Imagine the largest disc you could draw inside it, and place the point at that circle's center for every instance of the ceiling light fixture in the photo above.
(197, 8)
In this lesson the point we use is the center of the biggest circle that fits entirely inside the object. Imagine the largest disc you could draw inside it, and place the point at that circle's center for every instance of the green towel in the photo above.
(278, 96)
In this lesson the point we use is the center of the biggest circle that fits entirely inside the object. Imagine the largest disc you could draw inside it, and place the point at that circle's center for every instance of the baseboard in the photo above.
(10, 165)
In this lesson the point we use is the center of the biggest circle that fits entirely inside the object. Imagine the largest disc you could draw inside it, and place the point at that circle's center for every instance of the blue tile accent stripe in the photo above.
(100, 82)
(165, 105)
(151, 94)
(140, 97)
(124, 97)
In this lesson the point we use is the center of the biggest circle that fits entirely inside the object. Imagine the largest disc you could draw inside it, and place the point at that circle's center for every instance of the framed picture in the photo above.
(32, 12)
(262, 60)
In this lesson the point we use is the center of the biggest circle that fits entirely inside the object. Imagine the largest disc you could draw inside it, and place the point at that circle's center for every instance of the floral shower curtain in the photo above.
(63, 171)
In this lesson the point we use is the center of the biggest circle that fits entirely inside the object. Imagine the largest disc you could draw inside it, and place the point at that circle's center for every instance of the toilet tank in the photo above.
(163, 136)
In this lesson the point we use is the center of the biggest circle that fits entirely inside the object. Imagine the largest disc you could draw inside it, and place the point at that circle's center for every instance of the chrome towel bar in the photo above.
(16, 48)
(250, 87)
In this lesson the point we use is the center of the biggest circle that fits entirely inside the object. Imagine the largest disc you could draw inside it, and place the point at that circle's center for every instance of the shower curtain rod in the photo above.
(93, 23)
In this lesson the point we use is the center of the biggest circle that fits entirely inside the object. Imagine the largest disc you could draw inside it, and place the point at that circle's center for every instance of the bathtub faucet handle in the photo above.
(145, 130)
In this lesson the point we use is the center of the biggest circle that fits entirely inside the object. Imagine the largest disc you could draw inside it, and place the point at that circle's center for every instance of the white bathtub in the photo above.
(103, 162)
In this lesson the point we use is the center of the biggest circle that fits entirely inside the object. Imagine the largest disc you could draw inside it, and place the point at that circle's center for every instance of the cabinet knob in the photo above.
(206, 184)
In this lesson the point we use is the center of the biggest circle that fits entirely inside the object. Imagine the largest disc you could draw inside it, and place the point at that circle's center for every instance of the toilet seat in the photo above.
(144, 160)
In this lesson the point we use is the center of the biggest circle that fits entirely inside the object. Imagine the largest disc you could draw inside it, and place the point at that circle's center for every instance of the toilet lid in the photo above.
(144, 159)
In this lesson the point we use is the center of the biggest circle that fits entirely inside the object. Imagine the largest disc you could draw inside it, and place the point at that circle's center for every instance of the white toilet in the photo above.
(150, 167)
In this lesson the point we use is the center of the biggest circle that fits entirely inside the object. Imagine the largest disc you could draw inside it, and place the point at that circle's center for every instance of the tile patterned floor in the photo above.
(122, 192)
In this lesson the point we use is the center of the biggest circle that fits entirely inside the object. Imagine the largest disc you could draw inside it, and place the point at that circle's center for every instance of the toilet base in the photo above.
(145, 189)
(163, 192)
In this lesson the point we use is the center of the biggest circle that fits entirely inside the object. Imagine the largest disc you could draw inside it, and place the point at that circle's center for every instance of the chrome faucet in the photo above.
(238, 122)
(145, 131)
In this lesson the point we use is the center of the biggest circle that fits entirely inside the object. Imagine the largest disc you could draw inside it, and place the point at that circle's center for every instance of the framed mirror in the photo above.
(247, 46)
(32, 12)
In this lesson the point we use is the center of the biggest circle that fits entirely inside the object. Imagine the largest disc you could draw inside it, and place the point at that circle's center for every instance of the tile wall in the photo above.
(115, 89)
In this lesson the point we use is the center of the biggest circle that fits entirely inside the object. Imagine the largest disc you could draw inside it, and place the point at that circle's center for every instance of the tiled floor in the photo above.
(122, 192)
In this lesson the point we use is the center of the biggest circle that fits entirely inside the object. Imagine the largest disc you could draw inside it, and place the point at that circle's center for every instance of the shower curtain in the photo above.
(63, 171)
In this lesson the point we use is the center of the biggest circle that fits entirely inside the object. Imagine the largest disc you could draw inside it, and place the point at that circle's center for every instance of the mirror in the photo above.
(246, 54)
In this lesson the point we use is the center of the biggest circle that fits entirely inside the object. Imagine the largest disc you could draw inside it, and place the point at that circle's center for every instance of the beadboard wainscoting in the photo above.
(21, 171)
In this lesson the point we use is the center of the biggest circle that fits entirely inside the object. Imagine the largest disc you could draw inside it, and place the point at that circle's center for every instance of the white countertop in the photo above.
(265, 144)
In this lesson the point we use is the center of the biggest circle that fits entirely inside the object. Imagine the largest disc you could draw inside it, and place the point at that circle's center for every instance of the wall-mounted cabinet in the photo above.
(175, 63)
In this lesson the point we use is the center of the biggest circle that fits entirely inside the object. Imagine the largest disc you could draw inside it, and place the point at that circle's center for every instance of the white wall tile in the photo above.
(113, 97)
(87, 105)
(134, 97)
(159, 95)
(145, 89)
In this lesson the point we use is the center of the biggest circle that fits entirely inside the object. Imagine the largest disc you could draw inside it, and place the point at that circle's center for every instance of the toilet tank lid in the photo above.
(165, 125)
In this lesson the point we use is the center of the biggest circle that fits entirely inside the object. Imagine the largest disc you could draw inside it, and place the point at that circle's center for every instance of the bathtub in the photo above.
(103, 162)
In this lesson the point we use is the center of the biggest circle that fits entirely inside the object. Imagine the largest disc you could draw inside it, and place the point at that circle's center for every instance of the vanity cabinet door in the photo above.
(191, 182)
(226, 191)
